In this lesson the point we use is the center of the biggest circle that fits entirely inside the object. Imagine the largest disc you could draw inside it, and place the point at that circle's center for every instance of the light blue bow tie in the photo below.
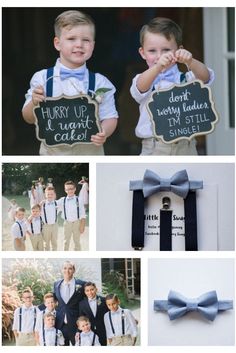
(207, 305)
(51, 203)
(168, 75)
(178, 183)
(79, 74)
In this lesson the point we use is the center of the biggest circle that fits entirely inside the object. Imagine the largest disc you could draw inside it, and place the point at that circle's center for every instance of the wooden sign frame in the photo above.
(174, 123)
(61, 114)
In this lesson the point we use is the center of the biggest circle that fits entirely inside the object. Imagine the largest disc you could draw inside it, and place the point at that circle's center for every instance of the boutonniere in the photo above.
(99, 302)
(59, 334)
(77, 287)
(99, 93)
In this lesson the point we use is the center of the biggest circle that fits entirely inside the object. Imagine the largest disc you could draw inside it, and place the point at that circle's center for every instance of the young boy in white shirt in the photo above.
(74, 40)
(161, 48)
(35, 227)
(19, 230)
(49, 210)
(25, 320)
(50, 336)
(50, 305)
(86, 337)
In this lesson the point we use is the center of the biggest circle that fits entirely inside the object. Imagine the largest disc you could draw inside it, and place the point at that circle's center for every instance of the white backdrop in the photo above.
(215, 203)
(191, 277)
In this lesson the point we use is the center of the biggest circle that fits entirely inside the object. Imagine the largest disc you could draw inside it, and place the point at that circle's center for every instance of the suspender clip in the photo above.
(138, 248)
(166, 203)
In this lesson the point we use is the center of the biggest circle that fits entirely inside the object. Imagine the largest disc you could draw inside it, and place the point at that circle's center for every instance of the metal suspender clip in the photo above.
(166, 203)
(138, 248)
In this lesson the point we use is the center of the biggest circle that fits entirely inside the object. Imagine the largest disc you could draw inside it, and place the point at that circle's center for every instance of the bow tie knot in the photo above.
(178, 183)
(79, 74)
(192, 305)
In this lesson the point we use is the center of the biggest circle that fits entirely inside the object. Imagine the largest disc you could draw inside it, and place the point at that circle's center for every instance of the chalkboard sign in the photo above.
(182, 112)
(67, 120)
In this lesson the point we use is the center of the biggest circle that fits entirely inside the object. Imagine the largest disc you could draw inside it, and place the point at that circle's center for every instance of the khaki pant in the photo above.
(153, 147)
(37, 242)
(25, 339)
(71, 228)
(78, 149)
(50, 232)
(19, 244)
(122, 341)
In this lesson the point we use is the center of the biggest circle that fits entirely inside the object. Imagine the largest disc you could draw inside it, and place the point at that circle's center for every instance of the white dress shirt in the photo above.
(28, 319)
(86, 339)
(50, 337)
(50, 211)
(16, 229)
(71, 208)
(40, 317)
(36, 224)
(64, 290)
(144, 127)
(116, 317)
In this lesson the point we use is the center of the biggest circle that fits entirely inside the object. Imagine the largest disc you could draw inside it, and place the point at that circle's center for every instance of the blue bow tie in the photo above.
(79, 74)
(51, 203)
(168, 75)
(207, 305)
(178, 183)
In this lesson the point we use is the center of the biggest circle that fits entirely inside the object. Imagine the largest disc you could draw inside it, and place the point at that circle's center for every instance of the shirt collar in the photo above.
(117, 311)
(59, 65)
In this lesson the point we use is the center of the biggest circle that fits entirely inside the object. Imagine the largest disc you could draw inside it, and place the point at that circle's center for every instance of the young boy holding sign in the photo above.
(74, 39)
(161, 48)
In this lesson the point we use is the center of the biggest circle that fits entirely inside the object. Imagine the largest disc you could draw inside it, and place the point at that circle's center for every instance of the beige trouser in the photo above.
(153, 147)
(37, 242)
(50, 232)
(78, 149)
(122, 341)
(19, 245)
(25, 339)
(69, 229)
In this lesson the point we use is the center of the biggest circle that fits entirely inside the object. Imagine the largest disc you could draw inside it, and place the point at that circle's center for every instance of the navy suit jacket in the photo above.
(97, 322)
(71, 309)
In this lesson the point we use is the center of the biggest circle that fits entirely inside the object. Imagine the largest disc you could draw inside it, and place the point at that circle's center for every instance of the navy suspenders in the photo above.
(122, 323)
(93, 341)
(49, 84)
(45, 215)
(21, 231)
(20, 319)
(41, 226)
(44, 340)
(64, 206)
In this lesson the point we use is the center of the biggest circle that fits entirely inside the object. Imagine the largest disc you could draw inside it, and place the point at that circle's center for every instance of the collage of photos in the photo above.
(118, 177)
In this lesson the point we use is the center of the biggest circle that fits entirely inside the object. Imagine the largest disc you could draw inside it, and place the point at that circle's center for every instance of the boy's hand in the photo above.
(77, 336)
(166, 60)
(183, 56)
(99, 139)
(30, 219)
(38, 95)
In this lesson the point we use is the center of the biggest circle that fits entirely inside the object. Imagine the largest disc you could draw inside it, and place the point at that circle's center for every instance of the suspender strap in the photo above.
(94, 335)
(137, 239)
(41, 224)
(77, 203)
(21, 231)
(35, 316)
(56, 337)
(111, 323)
(165, 230)
(183, 77)
(64, 205)
(44, 340)
(32, 228)
(44, 212)
(123, 322)
(91, 83)
(190, 210)
(49, 83)
(55, 211)
(20, 319)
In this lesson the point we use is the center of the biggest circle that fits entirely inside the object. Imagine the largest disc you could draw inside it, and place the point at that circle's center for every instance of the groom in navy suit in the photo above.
(69, 292)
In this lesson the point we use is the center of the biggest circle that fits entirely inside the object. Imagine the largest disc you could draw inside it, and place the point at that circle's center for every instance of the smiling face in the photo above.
(68, 271)
(75, 45)
(84, 326)
(154, 45)
(50, 195)
(35, 212)
(70, 190)
(20, 215)
(50, 303)
(27, 298)
(90, 292)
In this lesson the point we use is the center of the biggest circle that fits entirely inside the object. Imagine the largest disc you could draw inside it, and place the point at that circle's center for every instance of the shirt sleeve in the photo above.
(97, 343)
(107, 108)
(15, 232)
(15, 326)
(38, 79)
(190, 76)
(82, 213)
(136, 94)
(107, 326)
(132, 322)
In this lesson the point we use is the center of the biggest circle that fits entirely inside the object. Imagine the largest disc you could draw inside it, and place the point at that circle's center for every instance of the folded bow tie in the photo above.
(179, 184)
(207, 305)
(79, 74)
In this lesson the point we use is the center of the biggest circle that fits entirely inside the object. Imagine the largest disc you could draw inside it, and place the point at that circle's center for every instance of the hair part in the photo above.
(112, 296)
(70, 182)
(20, 209)
(82, 318)
(71, 19)
(90, 284)
(36, 207)
(164, 26)
(48, 295)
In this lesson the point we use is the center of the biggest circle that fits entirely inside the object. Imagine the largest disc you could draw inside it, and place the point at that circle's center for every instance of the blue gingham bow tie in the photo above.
(178, 183)
(170, 75)
(66, 73)
(207, 305)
